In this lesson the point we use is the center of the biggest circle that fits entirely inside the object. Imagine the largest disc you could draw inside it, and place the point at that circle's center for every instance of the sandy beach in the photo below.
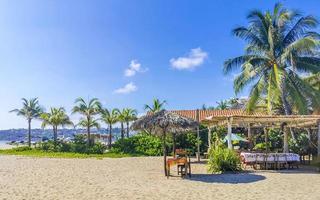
(142, 178)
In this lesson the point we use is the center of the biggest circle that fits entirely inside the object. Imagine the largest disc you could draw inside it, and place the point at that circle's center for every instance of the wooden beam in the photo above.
(250, 136)
(318, 138)
(209, 137)
(285, 139)
(265, 130)
(198, 137)
(229, 133)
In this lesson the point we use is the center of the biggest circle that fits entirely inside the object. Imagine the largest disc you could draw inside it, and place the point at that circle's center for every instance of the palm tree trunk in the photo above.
(55, 135)
(88, 135)
(286, 106)
(164, 153)
(29, 132)
(122, 131)
(110, 136)
(127, 129)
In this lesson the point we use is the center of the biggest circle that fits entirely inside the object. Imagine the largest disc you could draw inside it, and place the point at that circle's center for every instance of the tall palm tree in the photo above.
(55, 118)
(88, 109)
(280, 45)
(110, 117)
(121, 119)
(156, 106)
(30, 110)
(128, 116)
(222, 105)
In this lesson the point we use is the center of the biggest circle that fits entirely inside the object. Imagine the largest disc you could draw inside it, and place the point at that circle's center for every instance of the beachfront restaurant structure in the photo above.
(238, 118)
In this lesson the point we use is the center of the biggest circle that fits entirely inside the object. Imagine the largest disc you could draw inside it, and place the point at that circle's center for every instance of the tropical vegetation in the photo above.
(30, 110)
(281, 45)
(55, 118)
(88, 109)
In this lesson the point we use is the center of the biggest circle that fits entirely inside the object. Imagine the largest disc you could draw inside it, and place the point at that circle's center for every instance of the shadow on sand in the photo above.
(231, 178)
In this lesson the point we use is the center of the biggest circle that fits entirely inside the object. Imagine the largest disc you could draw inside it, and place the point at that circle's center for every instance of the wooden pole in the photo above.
(250, 136)
(209, 137)
(285, 140)
(198, 136)
(164, 148)
(229, 133)
(266, 138)
(318, 139)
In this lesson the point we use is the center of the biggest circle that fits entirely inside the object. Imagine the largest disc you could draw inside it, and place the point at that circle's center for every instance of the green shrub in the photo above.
(139, 144)
(300, 145)
(97, 148)
(78, 145)
(223, 160)
(261, 146)
(23, 148)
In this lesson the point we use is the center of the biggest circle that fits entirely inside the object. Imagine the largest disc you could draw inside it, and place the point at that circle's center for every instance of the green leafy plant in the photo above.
(141, 143)
(300, 145)
(223, 160)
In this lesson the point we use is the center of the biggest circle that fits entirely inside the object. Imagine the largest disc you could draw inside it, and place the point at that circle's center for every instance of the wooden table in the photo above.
(183, 164)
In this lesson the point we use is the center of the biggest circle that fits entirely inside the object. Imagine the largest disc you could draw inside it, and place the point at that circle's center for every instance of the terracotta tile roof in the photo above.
(192, 114)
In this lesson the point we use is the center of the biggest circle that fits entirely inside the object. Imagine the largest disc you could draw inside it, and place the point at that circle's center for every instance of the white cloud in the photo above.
(194, 59)
(130, 87)
(133, 68)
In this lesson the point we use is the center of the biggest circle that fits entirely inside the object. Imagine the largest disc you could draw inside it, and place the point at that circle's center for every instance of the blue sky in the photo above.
(123, 52)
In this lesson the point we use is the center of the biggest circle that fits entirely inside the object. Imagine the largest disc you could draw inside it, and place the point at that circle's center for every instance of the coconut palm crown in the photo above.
(280, 45)
(156, 106)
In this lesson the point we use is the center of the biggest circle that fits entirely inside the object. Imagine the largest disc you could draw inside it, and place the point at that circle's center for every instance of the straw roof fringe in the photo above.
(165, 121)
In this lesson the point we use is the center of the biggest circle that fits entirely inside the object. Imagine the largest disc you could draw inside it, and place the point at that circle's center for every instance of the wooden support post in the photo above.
(250, 136)
(198, 136)
(265, 130)
(285, 140)
(318, 139)
(229, 133)
(209, 137)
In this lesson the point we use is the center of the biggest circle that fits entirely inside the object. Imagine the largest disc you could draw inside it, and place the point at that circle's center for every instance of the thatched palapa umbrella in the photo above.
(164, 122)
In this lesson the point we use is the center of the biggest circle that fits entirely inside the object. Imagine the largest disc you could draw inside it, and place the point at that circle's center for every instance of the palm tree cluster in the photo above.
(91, 111)
(232, 103)
(282, 47)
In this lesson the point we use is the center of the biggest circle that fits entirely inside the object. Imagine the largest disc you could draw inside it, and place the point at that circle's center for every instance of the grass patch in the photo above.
(30, 152)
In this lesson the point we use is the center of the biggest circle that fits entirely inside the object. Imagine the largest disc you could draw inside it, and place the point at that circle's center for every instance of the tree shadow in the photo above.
(231, 178)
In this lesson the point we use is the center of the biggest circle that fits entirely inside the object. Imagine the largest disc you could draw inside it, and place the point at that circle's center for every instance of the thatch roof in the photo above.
(165, 121)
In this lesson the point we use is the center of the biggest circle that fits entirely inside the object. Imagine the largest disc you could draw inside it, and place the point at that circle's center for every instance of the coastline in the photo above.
(4, 145)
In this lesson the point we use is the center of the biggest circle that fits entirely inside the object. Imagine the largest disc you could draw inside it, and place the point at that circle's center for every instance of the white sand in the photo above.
(142, 178)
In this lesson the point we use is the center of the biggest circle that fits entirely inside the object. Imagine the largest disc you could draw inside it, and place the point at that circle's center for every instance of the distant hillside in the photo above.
(38, 134)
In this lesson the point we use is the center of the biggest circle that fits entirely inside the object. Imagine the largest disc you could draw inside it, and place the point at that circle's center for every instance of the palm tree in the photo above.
(30, 110)
(110, 117)
(121, 119)
(56, 117)
(280, 45)
(128, 116)
(314, 80)
(88, 109)
(222, 105)
(156, 106)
